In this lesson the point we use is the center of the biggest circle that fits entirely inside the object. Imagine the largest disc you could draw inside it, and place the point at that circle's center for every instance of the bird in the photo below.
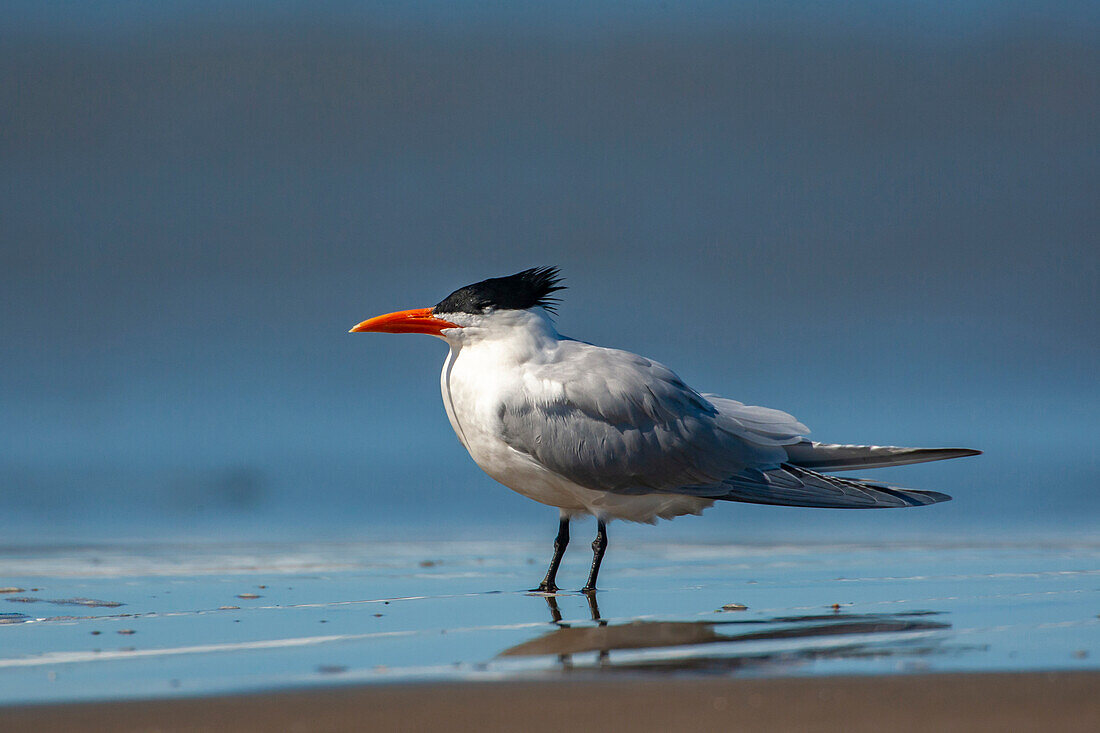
(597, 431)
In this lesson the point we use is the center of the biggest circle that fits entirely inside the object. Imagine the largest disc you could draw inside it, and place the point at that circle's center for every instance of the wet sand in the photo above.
(403, 635)
(1062, 701)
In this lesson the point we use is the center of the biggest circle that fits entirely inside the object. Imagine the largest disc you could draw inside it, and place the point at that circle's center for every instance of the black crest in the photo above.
(515, 292)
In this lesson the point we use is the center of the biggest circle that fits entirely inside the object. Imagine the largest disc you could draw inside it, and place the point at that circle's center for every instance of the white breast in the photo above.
(478, 381)
(475, 385)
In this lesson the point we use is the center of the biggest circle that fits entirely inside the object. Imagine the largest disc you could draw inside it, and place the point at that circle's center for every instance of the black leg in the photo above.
(598, 546)
(549, 583)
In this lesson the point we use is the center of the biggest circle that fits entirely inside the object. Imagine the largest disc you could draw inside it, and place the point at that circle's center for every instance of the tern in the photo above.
(603, 432)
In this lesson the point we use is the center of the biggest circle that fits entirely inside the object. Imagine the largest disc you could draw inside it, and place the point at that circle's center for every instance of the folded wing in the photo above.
(614, 421)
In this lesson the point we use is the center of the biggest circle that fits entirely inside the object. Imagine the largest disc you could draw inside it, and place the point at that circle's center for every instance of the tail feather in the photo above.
(827, 457)
(791, 485)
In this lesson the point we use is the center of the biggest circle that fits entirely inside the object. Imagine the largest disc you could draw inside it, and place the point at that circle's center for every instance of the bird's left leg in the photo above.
(549, 583)
(598, 546)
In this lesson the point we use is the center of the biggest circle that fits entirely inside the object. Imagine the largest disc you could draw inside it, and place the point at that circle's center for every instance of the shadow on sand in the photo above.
(733, 645)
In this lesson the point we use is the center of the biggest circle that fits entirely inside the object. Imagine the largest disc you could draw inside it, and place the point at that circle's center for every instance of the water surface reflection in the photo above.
(728, 645)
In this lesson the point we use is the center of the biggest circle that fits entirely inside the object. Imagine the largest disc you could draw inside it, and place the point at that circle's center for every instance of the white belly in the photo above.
(473, 406)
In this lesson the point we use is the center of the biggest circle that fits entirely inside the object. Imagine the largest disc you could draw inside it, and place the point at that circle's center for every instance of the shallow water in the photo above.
(123, 622)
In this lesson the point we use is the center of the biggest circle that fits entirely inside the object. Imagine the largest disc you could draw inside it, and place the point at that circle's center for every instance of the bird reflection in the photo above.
(637, 641)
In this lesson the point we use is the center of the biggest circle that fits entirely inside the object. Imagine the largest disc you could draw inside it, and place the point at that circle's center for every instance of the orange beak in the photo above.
(417, 320)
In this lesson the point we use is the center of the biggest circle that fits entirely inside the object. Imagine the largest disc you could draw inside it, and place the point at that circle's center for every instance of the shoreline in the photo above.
(1064, 700)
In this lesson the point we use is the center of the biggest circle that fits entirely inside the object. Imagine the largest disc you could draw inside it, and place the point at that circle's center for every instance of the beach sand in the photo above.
(1054, 701)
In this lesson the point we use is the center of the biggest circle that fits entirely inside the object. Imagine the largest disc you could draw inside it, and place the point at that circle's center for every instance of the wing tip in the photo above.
(831, 457)
(934, 497)
(956, 452)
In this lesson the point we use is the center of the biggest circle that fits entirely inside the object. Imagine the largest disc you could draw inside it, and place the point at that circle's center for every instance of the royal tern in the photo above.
(603, 432)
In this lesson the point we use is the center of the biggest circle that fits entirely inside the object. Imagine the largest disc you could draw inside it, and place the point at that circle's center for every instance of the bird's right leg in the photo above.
(549, 583)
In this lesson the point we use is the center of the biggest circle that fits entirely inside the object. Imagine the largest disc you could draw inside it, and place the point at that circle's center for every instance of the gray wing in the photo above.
(614, 421)
(611, 420)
